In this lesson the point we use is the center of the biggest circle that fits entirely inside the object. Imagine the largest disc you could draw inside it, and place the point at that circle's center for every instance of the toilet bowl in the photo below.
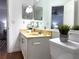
(60, 50)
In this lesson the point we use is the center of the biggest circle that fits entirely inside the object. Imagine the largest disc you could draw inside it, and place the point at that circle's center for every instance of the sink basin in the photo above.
(33, 33)
(64, 50)
(70, 46)
(29, 32)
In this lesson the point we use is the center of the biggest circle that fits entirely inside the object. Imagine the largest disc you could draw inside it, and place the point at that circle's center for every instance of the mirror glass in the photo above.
(32, 12)
(27, 12)
(38, 13)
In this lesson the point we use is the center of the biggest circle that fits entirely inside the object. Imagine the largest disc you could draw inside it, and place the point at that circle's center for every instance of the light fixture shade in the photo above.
(29, 9)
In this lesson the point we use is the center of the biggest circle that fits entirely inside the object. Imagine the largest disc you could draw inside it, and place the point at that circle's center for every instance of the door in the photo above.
(3, 19)
(3, 25)
(69, 12)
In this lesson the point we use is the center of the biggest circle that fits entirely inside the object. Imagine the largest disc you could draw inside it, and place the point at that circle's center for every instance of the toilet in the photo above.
(67, 50)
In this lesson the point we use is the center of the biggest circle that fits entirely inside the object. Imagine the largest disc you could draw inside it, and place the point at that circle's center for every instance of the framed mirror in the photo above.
(27, 12)
(38, 13)
(32, 12)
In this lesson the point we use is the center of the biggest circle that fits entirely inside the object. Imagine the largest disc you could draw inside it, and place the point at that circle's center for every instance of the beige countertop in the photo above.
(30, 34)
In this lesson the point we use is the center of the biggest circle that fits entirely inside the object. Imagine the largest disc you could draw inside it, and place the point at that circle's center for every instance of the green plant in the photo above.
(75, 27)
(64, 29)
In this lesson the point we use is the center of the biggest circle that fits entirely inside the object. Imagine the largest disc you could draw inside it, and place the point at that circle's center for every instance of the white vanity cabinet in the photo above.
(23, 45)
(35, 48)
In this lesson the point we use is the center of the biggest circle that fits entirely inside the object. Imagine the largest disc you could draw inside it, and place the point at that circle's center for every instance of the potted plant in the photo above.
(74, 33)
(64, 29)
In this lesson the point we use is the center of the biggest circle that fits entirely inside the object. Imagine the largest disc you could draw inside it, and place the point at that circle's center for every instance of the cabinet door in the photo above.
(38, 48)
(23, 44)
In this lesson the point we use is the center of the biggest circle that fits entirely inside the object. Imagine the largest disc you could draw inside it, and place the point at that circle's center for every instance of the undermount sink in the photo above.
(64, 50)
(70, 45)
(33, 33)
(73, 44)
(37, 33)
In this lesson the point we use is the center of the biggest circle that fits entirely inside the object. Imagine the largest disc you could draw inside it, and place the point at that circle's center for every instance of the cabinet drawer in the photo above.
(38, 48)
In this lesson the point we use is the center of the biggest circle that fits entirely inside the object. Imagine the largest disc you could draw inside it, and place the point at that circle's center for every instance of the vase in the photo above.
(63, 38)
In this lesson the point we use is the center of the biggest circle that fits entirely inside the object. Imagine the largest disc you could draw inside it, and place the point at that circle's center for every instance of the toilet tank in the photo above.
(60, 50)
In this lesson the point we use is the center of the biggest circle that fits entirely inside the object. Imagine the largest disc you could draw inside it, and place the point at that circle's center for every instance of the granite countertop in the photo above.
(30, 34)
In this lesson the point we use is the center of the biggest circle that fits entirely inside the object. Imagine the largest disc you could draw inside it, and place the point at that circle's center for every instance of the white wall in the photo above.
(14, 17)
(69, 13)
(76, 22)
(47, 6)
(14, 23)
(24, 23)
(27, 2)
(78, 13)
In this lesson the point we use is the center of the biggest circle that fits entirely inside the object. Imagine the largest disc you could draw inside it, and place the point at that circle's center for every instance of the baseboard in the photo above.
(13, 50)
(15, 55)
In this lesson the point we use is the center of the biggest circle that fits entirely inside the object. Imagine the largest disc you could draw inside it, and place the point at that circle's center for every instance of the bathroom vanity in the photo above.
(61, 50)
(34, 45)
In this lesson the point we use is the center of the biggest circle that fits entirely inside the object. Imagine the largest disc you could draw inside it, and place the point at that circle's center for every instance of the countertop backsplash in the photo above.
(31, 23)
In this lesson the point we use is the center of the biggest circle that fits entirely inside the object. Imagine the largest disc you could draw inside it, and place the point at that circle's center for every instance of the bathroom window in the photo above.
(57, 16)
